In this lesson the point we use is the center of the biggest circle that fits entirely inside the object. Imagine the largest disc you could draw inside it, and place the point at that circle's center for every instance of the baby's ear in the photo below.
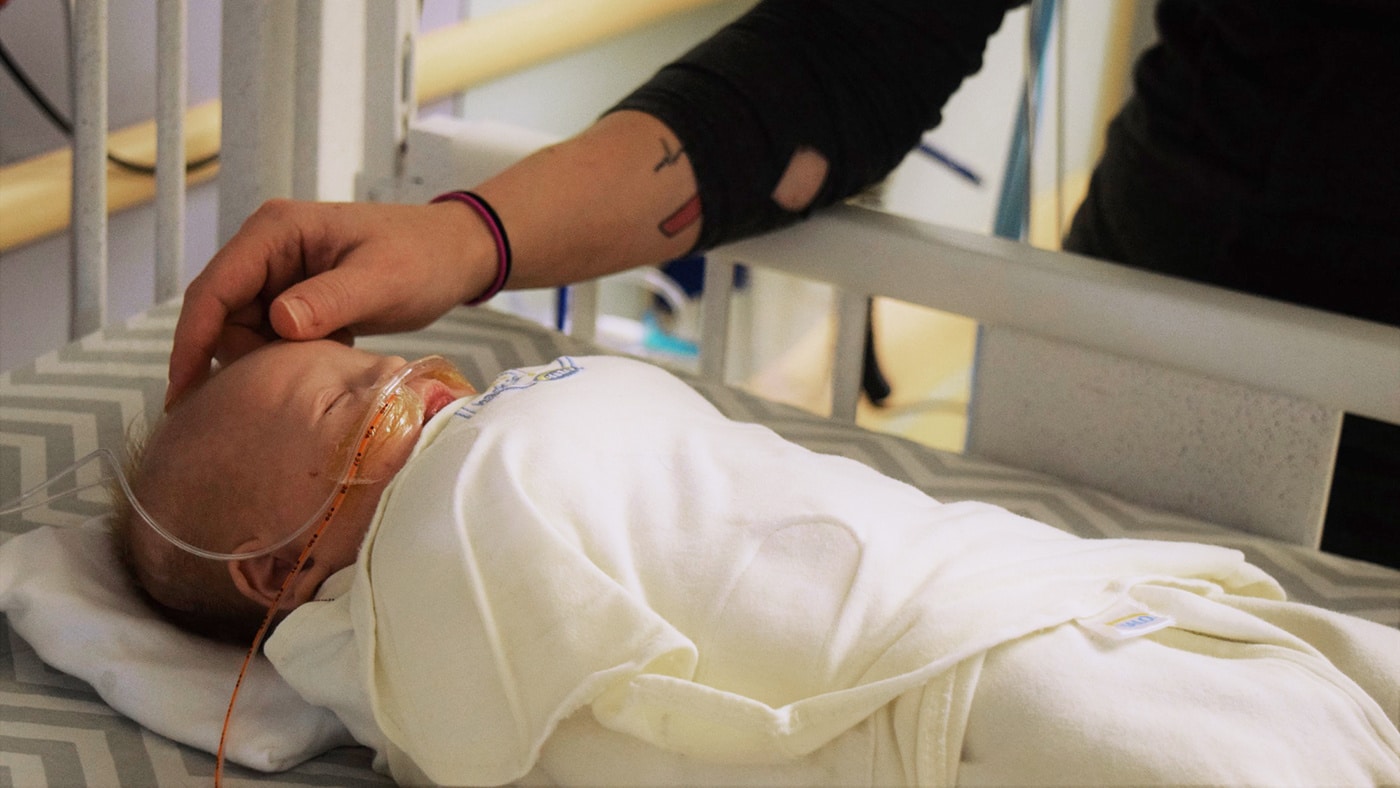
(261, 578)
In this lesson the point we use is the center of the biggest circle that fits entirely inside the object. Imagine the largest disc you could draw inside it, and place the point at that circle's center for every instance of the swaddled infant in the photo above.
(588, 575)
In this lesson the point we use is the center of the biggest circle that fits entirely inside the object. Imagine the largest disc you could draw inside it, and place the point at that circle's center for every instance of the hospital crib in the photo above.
(1106, 401)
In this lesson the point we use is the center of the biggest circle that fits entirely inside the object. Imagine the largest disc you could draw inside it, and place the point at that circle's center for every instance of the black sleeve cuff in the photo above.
(859, 82)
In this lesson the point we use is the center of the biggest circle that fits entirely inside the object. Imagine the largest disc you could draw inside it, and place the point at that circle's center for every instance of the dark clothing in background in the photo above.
(1260, 152)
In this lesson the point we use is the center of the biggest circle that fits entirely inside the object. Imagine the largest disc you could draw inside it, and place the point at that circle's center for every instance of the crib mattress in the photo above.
(55, 730)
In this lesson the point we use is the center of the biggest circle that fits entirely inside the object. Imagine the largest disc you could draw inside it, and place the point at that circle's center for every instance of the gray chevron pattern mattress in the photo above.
(55, 730)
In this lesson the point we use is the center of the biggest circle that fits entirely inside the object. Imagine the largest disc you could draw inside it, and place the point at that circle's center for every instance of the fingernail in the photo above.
(172, 393)
(299, 313)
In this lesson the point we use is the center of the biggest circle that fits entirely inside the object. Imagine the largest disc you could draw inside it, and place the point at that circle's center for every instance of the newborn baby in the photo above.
(588, 575)
(250, 456)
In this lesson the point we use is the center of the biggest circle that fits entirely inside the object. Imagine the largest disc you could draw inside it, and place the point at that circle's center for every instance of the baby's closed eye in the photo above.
(335, 399)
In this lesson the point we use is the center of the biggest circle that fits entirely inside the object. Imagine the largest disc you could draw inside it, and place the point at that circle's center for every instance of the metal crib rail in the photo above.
(89, 208)
(1333, 360)
(171, 67)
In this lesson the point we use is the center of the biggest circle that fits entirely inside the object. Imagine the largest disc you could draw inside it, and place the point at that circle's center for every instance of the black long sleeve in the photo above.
(1259, 153)
(859, 82)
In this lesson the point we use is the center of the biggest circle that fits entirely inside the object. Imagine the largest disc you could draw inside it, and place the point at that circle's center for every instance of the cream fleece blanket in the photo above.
(588, 575)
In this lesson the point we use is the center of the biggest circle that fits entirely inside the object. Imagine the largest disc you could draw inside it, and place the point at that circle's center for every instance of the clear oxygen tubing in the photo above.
(396, 407)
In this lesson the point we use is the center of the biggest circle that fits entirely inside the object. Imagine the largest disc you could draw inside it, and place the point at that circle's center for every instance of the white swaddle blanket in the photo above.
(587, 574)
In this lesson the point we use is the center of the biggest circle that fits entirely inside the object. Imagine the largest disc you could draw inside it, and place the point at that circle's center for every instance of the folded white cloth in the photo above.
(1222, 697)
(589, 575)
(65, 594)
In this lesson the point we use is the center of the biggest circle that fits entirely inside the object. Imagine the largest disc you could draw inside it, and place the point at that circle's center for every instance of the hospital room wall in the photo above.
(559, 98)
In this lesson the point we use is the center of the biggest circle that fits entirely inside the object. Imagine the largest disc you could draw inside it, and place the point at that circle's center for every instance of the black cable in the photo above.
(22, 79)
(42, 103)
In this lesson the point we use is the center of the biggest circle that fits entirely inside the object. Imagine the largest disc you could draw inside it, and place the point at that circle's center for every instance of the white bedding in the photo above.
(587, 575)
(64, 592)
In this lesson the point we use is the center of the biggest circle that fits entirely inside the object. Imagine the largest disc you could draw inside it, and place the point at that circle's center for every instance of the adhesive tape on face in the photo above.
(403, 410)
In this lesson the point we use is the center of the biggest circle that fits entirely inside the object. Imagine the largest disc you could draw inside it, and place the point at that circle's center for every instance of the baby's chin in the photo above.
(339, 547)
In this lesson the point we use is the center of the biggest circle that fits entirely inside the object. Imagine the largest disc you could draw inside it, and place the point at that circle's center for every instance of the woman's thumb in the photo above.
(317, 307)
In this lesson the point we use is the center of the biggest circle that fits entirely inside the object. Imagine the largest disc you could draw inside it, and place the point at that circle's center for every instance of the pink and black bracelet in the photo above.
(498, 232)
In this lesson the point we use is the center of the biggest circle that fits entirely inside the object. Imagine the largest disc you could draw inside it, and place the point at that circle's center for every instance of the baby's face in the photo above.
(279, 426)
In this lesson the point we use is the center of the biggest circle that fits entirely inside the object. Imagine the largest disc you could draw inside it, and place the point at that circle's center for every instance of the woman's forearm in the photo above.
(619, 195)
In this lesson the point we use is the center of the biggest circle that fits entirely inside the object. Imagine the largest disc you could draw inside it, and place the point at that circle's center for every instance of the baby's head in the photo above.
(250, 456)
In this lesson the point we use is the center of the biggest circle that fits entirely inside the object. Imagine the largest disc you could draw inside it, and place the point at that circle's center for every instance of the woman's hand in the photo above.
(299, 270)
(618, 195)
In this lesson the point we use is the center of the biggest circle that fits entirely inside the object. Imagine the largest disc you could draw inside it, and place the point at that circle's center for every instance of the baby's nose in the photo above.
(385, 367)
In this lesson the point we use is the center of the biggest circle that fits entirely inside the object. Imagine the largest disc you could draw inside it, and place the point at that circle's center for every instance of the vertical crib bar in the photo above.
(583, 310)
(714, 318)
(258, 93)
(459, 99)
(852, 313)
(389, 104)
(327, 126)
(306, 123)
(171, 48)
(88, 53)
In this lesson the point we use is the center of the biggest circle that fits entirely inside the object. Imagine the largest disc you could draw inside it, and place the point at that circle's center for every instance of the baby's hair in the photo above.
(195, 594)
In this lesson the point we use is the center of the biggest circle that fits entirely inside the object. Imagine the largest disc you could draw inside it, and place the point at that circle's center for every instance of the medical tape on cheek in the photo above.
(399, 412)
(406, 412)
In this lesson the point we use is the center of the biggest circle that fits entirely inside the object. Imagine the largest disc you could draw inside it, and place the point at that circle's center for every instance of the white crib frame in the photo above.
(305, 138)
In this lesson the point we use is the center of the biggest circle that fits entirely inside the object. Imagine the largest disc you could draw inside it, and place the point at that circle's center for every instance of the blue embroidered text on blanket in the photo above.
(588, 559)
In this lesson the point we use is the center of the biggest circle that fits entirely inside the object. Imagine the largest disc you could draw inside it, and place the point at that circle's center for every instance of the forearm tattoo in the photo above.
(689, 212)
(669, 157)
(681, 218)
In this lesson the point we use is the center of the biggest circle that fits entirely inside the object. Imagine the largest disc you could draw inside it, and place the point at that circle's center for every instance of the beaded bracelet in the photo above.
(498, 232)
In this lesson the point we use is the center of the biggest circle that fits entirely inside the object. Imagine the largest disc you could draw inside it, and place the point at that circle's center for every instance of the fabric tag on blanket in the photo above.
(1126, 618)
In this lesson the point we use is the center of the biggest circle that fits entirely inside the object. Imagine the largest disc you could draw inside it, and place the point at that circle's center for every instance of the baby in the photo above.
(249, 457)
(588, 575)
